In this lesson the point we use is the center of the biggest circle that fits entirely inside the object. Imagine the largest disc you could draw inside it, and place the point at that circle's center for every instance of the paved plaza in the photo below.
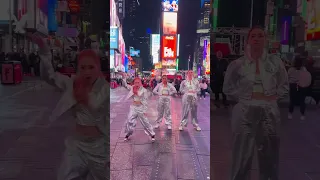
(175, 155)
(299, 146)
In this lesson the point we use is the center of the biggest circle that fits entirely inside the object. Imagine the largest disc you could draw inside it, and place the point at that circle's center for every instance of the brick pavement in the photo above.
(299, 148)
(174, 155)
(29, 149)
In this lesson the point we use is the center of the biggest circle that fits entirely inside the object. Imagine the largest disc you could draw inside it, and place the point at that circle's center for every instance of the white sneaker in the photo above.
(169, 127)
(180, 128)
(157, 126)
(153, 139)
(289, 116)
(302, 118)
(198, 128)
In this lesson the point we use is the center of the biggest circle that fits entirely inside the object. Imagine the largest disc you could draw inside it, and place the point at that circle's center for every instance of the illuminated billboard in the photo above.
(155, 47)
(114, 37)
(169, 63)
(170, 5)
(178, 46)
(169, 45)
(313, 20)
(169, 24)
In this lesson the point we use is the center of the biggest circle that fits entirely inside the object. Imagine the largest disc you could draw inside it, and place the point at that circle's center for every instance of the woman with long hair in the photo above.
(190, 88)
(256, 81)
(87, 150)
(138, 108)
(165, 90)
(299, 81)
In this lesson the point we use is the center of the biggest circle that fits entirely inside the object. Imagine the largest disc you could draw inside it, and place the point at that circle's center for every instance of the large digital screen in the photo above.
(178, 46)
(169, 24)
(169, 63)
(313, 20)
(155, 47)
(114, 37)
(134, 52)
(286, 24)
(169, 45)
(170, 5)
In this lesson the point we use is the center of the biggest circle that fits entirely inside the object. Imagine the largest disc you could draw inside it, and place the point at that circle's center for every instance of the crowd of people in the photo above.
(30, 62)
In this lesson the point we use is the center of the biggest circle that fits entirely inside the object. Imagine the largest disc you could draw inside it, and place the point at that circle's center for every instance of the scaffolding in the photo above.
(235, 37)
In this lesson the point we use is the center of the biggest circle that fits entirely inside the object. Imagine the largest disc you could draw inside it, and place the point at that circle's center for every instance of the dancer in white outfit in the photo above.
(189, 88)
(164, 90)
(138, 109)
(87, 150)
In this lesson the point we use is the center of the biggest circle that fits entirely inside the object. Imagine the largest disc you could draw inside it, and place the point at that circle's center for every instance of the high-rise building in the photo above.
(203, 33)
(130, 22)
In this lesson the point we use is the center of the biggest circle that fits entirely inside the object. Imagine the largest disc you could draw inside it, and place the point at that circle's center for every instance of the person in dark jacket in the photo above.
(219, 68)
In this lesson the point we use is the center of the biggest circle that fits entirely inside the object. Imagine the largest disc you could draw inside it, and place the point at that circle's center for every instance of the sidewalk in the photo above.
(299, 146)
(29, 149)
(174, 155)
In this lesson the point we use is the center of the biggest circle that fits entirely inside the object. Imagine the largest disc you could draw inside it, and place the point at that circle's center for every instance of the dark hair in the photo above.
(203, 81)
(298, 63)
(253, 28)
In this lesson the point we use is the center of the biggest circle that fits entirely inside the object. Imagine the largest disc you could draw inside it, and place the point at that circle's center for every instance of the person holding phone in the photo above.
(86, 94)
(138, 108)
(189, 88)
(256, 81)
(165, 90)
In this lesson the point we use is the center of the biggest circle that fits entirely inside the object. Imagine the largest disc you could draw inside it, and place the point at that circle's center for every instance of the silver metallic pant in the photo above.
(189, 104)
(255, 126)
(138, 112)
(85, 159)
(164, 105)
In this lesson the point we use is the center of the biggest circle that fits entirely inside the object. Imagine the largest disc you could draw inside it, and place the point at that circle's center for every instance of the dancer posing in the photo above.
(138, 108)
(87, 96)
(189, 88)
(256, 80)
(164, 90)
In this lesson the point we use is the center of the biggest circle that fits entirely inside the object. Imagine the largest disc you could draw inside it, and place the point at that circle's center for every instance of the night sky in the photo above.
(237, 13)
(148, 17)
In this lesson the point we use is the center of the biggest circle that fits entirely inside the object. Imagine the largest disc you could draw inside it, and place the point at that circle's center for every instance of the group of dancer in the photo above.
(189, 87)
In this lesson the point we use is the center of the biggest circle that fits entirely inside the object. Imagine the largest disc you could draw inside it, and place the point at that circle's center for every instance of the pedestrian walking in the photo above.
(300, 80)
(203, 89)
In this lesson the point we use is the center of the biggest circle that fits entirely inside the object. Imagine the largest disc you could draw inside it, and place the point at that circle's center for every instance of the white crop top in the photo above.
(257, 86)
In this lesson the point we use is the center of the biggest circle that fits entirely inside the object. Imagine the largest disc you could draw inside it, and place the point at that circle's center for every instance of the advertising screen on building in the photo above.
(155, 47)
(286, 24)
(169, 45)
(169, 24)
(178, 46)
(313, 20)
(170, 5)
(169, 63)
(114, 37)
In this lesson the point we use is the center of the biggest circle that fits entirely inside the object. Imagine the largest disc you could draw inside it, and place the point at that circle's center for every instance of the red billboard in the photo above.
(169, 47)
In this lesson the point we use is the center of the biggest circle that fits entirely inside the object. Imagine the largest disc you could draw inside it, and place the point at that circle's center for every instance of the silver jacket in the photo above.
(94, 115)
(142, 96)
(240, 76)
(187, 86)
(159, 89)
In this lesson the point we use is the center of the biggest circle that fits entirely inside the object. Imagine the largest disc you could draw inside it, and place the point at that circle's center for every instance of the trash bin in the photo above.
(11, 72)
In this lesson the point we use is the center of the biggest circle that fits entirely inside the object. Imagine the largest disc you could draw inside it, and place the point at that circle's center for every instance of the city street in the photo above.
(299, 146)
(174, 155)
(30, 147)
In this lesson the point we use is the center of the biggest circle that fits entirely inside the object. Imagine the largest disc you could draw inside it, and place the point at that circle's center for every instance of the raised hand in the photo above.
(41, 42)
